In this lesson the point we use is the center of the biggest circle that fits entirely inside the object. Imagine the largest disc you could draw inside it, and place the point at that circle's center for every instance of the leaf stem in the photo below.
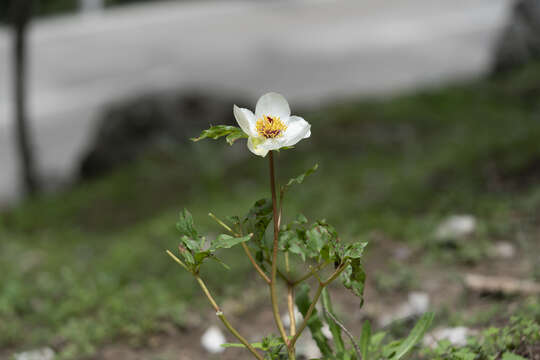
(221, 316)
(225, 226)
(312, 272)
(255, 265)
(177, 260)
(246, 248)
(345, 330)
(308, 315)
(273, 294)
(322, 285)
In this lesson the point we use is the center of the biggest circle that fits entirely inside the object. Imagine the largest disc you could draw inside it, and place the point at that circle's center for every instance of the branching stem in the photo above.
(322, 285)
(273, 294)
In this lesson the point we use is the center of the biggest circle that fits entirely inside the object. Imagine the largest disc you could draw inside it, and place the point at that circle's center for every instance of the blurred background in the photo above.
(425, 123)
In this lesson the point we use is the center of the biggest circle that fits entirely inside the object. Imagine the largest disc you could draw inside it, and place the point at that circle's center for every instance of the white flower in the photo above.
(272, 126)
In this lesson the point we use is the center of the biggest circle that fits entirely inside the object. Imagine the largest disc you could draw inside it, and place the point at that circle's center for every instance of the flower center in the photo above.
(270, 127)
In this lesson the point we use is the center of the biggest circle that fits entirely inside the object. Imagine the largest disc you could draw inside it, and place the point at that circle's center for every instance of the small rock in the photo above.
(326, 331)
(39, 354)
(456, 335)
(417, 304)
(455, 227)
(503, 250)
(212, 339)
(307, 348)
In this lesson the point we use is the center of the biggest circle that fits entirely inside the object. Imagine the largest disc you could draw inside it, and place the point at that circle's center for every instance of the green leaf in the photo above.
(290, 241)
(258, 218)
(354, 278)
(300, 220)
(355, 251)
(416, 334)
(314, 324)
(225, 241)
(365, 339)
(185, 225)
(335, 329)
(511, 356)
(232, 133)
(300, 178)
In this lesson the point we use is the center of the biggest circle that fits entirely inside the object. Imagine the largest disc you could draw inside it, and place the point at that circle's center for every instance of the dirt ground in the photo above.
(251, 313)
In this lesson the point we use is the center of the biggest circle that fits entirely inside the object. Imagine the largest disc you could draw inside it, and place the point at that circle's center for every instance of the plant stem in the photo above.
(322, 285)
(313, 271)
(290, 303)
(224, 320)
(177, 260)
(255, 265)
(308, 314)
(246, 248)
(273, 295)
(225, 226)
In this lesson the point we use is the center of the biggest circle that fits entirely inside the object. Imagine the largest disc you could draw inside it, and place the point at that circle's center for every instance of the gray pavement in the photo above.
(311, 51)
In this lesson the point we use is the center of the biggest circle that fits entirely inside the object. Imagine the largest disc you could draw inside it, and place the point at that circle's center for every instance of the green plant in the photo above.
(297, 252)
(513, 342)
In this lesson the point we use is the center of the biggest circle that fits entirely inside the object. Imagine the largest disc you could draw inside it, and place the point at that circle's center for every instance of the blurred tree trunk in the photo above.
(21, 11)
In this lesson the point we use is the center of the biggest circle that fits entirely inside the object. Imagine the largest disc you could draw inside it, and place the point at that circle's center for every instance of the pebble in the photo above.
(456, 227)
(456, 335)
(503, 250)
(38, 354)
(417, 304)
(212, 339)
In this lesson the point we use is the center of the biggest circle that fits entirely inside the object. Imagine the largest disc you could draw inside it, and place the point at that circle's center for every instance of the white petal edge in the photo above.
(273, 104)
(297, 129)
(258, 150)
(273, 144)
(246, 119)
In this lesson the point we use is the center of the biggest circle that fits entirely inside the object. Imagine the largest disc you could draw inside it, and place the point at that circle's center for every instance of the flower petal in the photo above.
(273, 104)
(297, 129)
(246, 119)
(256, 149)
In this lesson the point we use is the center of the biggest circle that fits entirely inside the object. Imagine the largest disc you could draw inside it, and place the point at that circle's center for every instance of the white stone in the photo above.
(455, 227)
(307, 347)
(38, 354)
(503, 250)
(456, 335)
(212, 339)
(326, 331)
(417, 304)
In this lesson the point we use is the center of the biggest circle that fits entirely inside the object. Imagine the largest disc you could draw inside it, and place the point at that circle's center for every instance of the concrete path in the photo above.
(312, 51)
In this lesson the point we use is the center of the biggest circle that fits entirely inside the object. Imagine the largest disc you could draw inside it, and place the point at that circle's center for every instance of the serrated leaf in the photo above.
(314, 324)
(232, 133)
(354, 278)
(300, 178)
(289, 240)
(355, 250)
(225, 241)
(185, 225)
(257, 220)
(416, 334)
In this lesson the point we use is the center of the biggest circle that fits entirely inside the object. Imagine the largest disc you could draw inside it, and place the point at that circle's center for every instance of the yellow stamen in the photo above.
(270, 127)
